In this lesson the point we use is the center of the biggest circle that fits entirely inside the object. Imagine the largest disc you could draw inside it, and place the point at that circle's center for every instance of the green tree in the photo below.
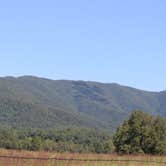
(141, 133)
(36, 143)
(159, 136)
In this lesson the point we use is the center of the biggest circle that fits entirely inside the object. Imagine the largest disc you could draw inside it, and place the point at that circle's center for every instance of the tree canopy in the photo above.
(63, 140)
(141, 133)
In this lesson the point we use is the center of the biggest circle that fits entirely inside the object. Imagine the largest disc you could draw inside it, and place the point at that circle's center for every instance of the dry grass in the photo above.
(38, 162)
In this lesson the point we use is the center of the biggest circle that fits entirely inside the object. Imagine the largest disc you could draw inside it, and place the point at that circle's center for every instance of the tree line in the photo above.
(140, 134)
(74, 140)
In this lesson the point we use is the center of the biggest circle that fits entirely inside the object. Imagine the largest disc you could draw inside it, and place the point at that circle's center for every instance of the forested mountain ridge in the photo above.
(32, 102)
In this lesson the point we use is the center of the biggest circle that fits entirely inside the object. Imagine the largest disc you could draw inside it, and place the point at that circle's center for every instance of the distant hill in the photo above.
(32, 102)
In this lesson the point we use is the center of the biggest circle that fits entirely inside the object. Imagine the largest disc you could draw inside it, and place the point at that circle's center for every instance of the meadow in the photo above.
(27, 158)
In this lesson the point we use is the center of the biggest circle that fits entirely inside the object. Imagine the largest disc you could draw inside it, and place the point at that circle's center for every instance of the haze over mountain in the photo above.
(32, 102)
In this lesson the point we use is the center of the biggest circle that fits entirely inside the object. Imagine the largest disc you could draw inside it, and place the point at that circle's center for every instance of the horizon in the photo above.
(93, 81)
(108, 41)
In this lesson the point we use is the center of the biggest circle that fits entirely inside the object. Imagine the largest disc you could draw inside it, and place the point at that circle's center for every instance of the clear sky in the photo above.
(121, 41)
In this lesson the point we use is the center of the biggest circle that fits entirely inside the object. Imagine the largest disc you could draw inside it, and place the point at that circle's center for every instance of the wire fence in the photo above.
(82, 160)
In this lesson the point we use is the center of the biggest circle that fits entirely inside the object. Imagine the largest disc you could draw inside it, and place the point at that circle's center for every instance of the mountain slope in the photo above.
(42, 103)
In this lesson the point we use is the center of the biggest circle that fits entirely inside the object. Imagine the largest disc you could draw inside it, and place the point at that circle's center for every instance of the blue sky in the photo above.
(108, 41)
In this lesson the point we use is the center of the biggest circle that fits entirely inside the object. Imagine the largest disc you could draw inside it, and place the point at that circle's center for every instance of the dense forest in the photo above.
(75, 140)
(61, 103)
(140, 134)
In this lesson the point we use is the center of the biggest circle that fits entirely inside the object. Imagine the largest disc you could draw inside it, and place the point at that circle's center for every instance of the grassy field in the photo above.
(42, 159)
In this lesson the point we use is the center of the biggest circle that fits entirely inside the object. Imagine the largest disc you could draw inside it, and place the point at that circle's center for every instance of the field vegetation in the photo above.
(81, 159)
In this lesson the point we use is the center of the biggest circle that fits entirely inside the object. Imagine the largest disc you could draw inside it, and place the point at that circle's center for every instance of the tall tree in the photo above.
(141, 133)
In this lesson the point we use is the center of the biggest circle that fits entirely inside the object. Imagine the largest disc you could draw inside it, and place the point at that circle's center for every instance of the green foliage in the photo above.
(142, 133)
(31, 102)
(159, 136)
(67, 140)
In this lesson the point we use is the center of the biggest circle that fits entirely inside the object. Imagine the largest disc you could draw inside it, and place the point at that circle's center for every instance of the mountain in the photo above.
(32, 102)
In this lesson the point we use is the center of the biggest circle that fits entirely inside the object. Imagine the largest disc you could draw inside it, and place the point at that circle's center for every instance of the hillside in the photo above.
(32, 102)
